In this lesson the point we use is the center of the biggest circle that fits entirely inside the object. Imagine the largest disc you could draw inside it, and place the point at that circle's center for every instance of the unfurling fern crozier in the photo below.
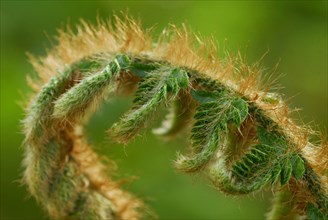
(242, 137)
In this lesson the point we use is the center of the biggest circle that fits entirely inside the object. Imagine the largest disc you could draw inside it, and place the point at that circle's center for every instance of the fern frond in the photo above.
(159, 87)
(77, 99)
(242, 137)
(212, 118)
(179, 117)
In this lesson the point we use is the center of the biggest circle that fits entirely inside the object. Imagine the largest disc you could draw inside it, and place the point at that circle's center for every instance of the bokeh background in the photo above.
(294, 32)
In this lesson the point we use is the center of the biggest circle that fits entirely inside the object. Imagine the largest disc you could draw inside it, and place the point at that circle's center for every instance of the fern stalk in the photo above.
(242, 137)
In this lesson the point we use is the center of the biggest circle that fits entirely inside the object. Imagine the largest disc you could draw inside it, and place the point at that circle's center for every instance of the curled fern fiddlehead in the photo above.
(242, 137)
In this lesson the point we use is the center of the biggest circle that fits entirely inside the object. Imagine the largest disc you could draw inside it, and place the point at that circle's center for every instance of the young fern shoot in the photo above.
(242, 137)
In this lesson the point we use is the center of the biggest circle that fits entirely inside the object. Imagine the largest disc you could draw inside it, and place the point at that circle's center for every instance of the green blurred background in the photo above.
(293, 32)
